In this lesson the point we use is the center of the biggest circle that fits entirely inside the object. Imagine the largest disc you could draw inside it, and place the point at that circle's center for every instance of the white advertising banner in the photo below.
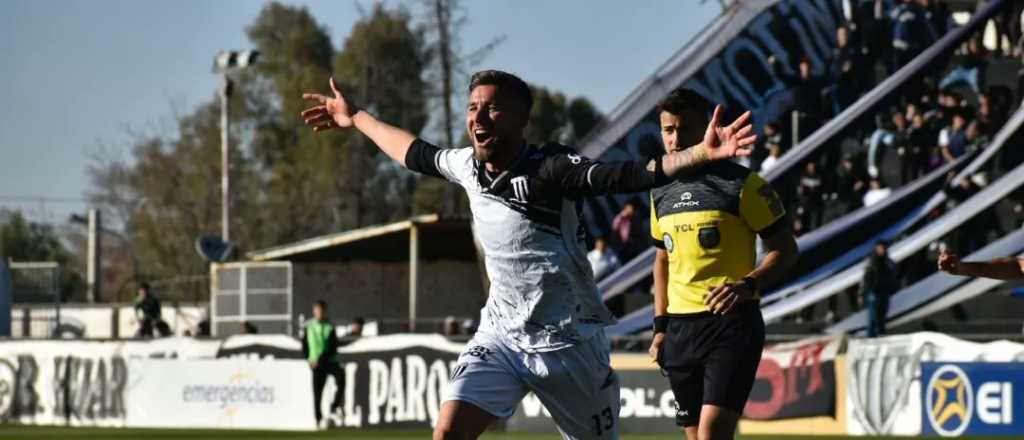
(884, 377)
(79, 383)
(220, 394)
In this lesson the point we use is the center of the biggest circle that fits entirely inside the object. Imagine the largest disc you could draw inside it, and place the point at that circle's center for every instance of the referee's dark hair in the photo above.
(321, 304)
(683, 99)
(506, 81)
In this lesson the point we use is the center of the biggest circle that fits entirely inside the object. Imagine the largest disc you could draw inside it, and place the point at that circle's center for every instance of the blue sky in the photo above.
(79, 76)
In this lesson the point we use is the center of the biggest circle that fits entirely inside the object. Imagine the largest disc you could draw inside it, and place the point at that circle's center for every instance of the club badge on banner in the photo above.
(884, 385)
(972, 398)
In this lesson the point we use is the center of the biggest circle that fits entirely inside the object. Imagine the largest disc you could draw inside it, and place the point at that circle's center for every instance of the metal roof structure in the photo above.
(438, 239)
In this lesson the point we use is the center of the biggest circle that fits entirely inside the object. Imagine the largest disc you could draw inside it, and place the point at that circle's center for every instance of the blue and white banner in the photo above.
(972, 398)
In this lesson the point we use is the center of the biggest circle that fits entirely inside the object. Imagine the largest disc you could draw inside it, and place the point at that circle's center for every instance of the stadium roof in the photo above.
(438, 239)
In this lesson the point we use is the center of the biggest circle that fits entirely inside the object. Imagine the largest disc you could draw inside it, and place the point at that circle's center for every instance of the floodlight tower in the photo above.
(225, 63)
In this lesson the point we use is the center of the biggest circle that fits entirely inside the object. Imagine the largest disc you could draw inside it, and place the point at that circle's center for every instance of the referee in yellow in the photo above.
(708, 330)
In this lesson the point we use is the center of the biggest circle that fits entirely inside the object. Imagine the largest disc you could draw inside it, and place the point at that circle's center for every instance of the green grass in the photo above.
(36, 432)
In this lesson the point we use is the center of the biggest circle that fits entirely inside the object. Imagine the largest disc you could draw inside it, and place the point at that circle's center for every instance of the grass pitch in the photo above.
(63, 433)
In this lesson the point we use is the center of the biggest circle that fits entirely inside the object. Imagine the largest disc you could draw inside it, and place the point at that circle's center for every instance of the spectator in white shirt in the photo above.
(602, 259)
(876, 193)
(774, 152)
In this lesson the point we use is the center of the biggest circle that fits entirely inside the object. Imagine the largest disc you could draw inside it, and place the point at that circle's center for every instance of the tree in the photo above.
(381, 65)
(554, 118)
(287, 182)
(449, 66)
(304, 194)
(169, 195)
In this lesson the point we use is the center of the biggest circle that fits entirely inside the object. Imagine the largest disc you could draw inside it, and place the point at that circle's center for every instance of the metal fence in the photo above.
(36, 283)
(257, 294)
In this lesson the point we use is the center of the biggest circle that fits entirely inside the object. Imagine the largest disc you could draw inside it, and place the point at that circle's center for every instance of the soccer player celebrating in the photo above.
(708, 330)
(541, 329)
(1000, 268)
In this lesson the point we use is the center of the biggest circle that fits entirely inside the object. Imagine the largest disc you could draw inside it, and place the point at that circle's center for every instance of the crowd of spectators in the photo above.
(948, 112)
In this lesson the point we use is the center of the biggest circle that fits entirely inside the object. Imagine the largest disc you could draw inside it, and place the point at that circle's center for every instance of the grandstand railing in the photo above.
(876, 96)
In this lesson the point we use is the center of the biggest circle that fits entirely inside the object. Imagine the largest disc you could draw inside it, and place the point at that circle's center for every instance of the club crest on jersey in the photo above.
(709, 237)
(575, 159)
(667, 239)
(686, 201)
(520, 189)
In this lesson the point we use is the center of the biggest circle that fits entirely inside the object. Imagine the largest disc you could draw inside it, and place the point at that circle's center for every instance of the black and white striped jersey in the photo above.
(528, 220)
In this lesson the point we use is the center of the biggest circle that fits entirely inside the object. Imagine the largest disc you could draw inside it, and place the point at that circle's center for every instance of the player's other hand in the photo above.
(733, 140)
(313, 364)
(655, 346)
(721, 300)
(949, 262)
(329, 112)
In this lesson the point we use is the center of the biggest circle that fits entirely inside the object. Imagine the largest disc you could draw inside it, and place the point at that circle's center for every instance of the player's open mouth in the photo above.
(481, 136)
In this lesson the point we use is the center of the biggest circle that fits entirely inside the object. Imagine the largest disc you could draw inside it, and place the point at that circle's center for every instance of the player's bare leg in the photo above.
(717, 423)
(690, 432)
(461, 421)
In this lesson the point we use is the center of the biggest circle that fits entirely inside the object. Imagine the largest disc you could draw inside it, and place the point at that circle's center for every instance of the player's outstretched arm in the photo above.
(340, 112)
(719, 143)
(580, 176)
(1000, 269)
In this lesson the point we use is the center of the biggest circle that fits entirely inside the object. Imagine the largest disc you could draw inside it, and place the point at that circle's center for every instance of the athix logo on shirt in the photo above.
(687, 201)
(520, 188)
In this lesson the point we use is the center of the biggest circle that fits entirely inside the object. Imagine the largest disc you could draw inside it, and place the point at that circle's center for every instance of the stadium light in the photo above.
(225, 63)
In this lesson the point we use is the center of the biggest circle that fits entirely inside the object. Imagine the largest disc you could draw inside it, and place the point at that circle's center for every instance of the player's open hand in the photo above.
(949, 262)
(733, 140)
(721, 300)
(329, 112)
(655, 346)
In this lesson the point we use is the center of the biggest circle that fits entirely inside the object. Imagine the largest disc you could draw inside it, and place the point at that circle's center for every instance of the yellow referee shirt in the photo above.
(707, 223)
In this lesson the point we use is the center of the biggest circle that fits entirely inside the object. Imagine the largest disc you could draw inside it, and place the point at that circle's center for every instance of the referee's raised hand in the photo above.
(329, 112)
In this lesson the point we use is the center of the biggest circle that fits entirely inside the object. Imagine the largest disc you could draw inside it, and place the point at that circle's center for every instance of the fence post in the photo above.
(115, 322)
(795, 127)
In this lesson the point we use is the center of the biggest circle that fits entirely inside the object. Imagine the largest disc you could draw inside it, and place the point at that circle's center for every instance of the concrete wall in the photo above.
(97, 321)
(381, 290)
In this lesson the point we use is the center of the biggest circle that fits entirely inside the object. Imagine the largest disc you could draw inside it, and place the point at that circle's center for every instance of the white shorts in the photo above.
(577, 385)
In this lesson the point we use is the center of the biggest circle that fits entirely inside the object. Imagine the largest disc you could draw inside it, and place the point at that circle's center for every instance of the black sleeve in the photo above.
(422, 158)
(580, 177)
(773, 228)
(660, 244)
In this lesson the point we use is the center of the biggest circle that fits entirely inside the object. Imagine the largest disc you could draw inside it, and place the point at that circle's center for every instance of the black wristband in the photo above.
(660, 324)
(751, 283)
(659, 171)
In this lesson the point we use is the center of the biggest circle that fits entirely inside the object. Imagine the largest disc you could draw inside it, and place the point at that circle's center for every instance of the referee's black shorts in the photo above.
(712, 359)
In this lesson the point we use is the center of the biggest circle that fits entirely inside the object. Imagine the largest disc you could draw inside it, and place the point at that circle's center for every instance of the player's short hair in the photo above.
(683, 99)
(506, 81)
(321, 303)
(144, 286)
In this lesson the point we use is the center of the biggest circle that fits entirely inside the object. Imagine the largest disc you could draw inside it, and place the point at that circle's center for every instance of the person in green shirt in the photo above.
(320, 347)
